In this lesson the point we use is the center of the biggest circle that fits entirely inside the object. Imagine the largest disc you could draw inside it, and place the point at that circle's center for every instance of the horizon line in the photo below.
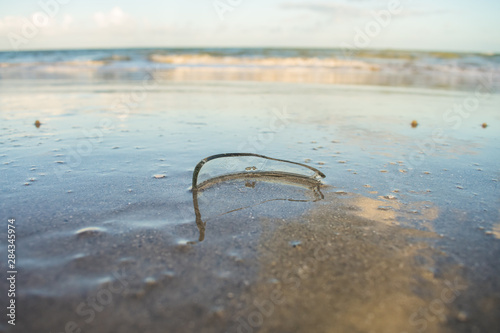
(488, 53)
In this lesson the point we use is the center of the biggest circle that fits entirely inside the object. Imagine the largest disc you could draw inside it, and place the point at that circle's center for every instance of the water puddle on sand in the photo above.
(261, 250)
(117, 239)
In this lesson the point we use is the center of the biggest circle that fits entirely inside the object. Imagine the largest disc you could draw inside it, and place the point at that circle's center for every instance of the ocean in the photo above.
(443, 70)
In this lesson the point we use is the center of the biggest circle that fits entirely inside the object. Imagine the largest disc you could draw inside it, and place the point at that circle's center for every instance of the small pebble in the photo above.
(462, 316)
(159, 176)
(89, 232)
(484, 125)
(150, 281)
(414, 124)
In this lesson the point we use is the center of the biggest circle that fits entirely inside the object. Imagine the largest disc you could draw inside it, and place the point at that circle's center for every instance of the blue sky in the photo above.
(445, 25)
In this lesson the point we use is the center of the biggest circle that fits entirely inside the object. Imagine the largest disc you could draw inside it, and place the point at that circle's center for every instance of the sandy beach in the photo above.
(402, 235)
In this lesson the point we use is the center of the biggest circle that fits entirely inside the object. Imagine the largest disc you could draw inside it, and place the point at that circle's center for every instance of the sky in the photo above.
(444, 25)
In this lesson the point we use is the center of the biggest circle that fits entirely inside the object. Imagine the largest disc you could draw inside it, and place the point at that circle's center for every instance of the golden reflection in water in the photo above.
(390, 211)
(363, 75)
(496, 230)
(350, 273)
(289, 75)
(238, 62)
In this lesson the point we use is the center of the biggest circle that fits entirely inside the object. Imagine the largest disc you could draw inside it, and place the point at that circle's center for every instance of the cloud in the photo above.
(355, 11)
(67, 21)
(33, 22)
(326, 8)
(9, 23)
(115, 18)
(26, 32)
(110, 28)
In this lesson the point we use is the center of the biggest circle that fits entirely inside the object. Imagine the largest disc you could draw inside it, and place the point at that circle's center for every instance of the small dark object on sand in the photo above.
(38, 124)
(414, 124)
(484, 125)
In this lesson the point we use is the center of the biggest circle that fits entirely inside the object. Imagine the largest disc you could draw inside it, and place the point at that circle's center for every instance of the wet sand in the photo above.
(405, 239)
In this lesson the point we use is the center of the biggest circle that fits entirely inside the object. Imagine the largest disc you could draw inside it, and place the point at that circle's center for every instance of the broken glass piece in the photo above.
(237, 165)
(229, 183)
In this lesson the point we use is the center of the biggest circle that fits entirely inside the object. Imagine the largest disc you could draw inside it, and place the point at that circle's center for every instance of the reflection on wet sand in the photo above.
(350, 274)
(344, 266)
(392, 211)
(496, 231)
(346, 263)
(252, 176)
(278, 266)
(252, 183)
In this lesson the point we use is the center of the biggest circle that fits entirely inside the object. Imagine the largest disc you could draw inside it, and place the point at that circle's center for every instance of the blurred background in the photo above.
(445, 44)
